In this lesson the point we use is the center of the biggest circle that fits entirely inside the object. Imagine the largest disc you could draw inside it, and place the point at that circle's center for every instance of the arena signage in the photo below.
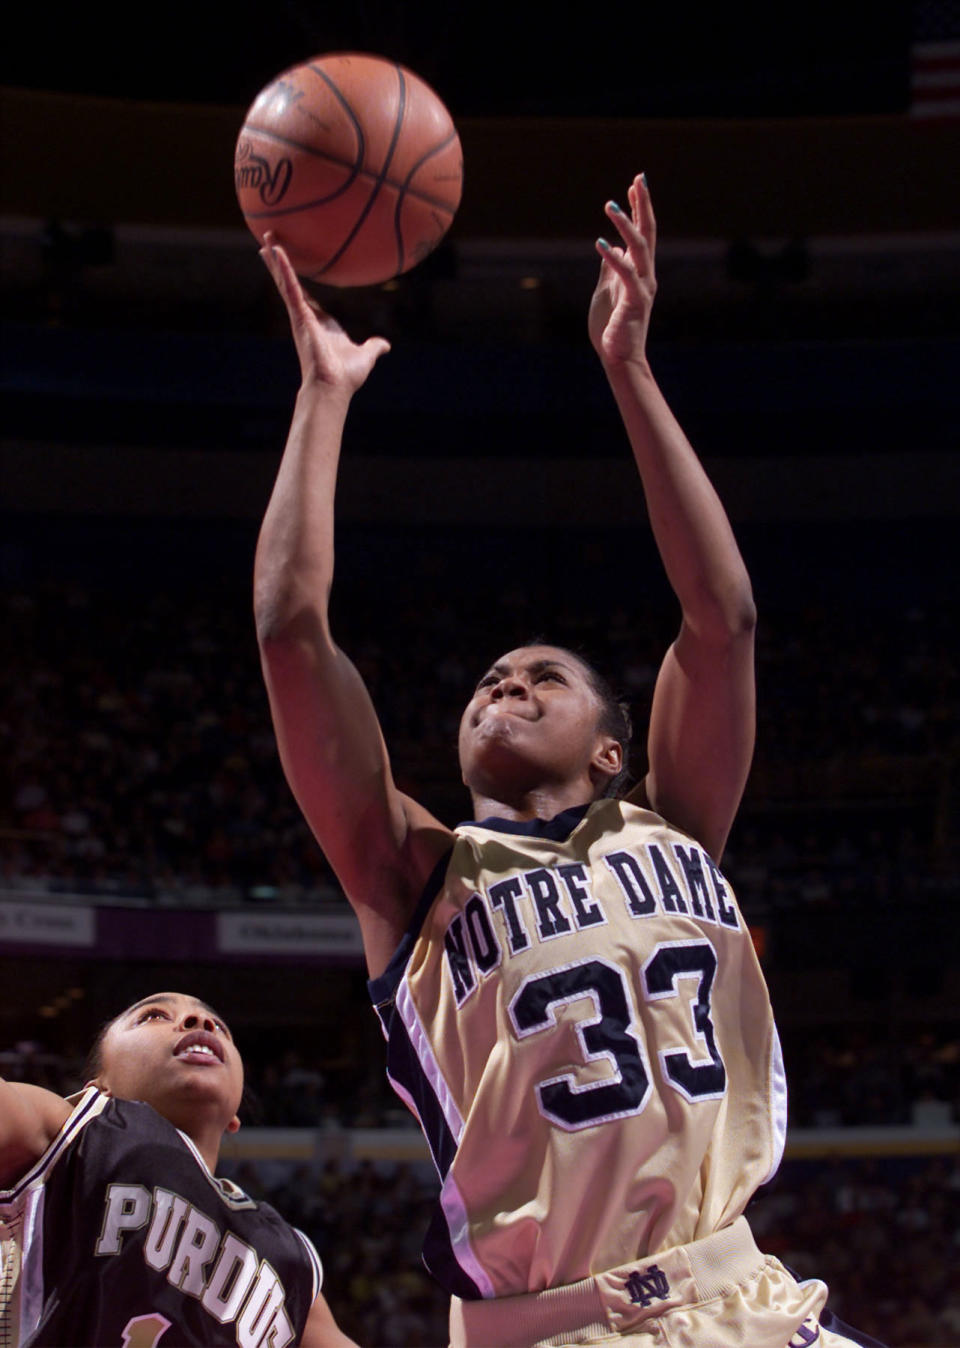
(47, 924)
(288, 934)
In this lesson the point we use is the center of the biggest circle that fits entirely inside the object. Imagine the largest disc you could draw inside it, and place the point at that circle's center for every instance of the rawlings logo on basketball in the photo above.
(372, 169)
(253, 173)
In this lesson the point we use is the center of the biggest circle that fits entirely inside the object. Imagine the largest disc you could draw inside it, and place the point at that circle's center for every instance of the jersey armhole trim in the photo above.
(89, 1103)
(383, 987)
(316, 1264)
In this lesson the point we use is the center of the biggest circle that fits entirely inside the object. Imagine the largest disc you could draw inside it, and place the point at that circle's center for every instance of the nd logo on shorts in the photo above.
(645, 1288)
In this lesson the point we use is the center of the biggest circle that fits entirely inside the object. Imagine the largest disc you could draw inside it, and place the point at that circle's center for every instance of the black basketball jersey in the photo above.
(120, 1235)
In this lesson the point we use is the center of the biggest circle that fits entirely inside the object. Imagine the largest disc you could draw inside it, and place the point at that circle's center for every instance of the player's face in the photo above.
(173, 1052)
(534, 719)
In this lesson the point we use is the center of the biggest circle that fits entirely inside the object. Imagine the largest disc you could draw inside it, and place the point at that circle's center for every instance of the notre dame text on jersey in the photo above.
(578, 1018)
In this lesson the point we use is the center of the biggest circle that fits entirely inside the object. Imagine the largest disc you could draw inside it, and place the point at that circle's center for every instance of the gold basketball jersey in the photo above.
(578, 1019)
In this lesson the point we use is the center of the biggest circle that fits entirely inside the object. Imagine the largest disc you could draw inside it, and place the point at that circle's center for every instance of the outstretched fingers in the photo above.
(285, 278)
(636, 244)
(620, 308)
(643, 213)
(277, 262)
(622, 264)
(614, 260)
(326, 352)
(373, 348)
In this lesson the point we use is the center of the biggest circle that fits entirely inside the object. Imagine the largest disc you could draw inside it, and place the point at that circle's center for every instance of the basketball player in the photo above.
(571, 999)
(114, 1229)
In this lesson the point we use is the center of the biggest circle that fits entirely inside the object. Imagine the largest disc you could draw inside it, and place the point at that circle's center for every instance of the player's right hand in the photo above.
(621, 304)
(327, 355)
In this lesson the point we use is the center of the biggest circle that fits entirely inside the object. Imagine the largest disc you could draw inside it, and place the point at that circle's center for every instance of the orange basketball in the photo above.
(354, 164)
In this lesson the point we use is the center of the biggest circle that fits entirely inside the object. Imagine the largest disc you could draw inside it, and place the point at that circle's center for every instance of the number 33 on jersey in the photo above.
(567, 1021)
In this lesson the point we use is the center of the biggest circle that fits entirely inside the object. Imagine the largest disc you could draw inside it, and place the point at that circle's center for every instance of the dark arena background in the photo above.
(803, 168)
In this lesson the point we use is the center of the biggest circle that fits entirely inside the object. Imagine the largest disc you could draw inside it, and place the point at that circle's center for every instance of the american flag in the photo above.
(935, 59)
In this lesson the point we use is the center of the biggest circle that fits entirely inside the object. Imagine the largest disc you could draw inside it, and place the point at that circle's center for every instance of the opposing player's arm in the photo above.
(321, 1330)
(30, 1118)
(381, 844)
(702, 721)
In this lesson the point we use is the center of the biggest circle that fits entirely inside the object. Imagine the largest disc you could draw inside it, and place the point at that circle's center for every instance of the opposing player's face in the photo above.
(173, 1052)
(534, 719)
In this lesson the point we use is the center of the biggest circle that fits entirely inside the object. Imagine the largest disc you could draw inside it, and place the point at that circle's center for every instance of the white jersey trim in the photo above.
(458, 1225)
(23, 1205)
(316, 1264)
(420, 1042)
(229, 1193)
(31, 1263)
(778, 1105)
(88, 1105)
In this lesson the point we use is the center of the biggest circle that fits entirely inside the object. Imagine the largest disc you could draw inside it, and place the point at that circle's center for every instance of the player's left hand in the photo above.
(621, 304)
(328, 358)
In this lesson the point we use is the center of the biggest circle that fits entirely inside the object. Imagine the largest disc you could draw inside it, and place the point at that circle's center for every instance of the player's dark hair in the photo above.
(93, 1063)
(615, 721)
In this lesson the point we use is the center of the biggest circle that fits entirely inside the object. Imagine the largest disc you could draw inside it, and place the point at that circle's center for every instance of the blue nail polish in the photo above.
(615, 208)
(643, 179)
(604, 245)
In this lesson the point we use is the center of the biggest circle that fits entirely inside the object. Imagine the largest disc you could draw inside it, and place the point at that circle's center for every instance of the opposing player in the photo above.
(573, 1006)
(115, 1230)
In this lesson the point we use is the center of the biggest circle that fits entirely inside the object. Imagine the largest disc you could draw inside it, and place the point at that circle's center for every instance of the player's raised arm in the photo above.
(380, 843)
(30, 1118)
(702, 721)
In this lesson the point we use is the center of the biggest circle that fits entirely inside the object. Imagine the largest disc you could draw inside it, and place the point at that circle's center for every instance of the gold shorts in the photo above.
(719, 1292)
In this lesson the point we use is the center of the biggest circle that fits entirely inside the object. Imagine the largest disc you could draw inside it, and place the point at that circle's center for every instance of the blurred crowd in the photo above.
(137, 764)
(882, 1230)
(883, 1234)
(840, 1076)
(137, 758)
(368, 1223)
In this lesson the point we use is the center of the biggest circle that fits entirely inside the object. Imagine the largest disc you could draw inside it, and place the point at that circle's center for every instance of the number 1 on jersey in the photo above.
(145, 1331)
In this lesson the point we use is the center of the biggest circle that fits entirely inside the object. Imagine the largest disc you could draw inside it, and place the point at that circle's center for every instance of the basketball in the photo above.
(354, 164)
